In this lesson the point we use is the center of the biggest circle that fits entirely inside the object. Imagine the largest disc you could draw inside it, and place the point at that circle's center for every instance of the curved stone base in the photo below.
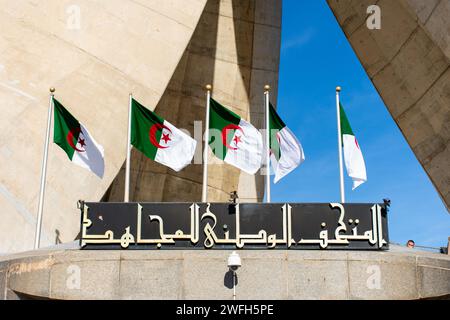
(70, 273)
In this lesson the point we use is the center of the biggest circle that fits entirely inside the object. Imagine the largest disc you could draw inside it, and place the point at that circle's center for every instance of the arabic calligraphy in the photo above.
(204, 230)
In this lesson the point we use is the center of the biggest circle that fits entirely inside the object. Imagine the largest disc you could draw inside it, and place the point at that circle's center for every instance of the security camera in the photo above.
(234, 261)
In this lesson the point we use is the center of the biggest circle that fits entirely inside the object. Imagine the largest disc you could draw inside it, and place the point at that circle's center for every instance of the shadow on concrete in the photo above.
(182, 103)
(244, 31)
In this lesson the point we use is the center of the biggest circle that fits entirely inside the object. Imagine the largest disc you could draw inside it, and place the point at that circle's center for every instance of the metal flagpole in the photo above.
(37, 239)
(128, 164)
(267, 101)
(205, 151)
(341, 169)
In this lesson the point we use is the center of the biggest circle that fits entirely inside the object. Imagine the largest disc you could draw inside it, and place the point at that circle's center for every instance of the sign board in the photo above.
(229, 226)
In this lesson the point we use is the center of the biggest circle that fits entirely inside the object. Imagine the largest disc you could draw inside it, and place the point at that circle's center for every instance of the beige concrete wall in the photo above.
(399, 273)
(408, 61)
(119, 47)
(236, 49)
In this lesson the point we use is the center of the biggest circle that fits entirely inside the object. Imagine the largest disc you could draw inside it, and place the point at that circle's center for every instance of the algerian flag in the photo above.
(354, 161)
(234, 140)
(76, 141)
(159, 140)
(286, 151)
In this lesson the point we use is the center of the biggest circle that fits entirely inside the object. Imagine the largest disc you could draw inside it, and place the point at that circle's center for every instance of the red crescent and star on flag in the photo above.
(80, 141)
(236, 138)
(165, 136)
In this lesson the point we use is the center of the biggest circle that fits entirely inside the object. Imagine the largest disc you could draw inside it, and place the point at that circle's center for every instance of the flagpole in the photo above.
(266, 102)
(37, 239)
(341, 169)
(205, 151)
(128, 164)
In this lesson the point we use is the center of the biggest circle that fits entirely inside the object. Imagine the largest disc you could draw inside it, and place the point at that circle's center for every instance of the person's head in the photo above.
(410, 244)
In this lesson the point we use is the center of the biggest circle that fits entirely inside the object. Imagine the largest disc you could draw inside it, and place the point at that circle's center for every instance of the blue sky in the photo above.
(315, 58)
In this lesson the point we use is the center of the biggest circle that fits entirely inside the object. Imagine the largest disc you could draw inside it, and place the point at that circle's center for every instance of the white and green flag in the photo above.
(286, 152)
(234, 140)
(159, 140)
(353, 158)
(74, 138)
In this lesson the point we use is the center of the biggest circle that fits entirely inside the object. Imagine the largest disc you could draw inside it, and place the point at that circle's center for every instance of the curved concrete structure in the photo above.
(399, 273)
(95, 52)
(408, 61)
